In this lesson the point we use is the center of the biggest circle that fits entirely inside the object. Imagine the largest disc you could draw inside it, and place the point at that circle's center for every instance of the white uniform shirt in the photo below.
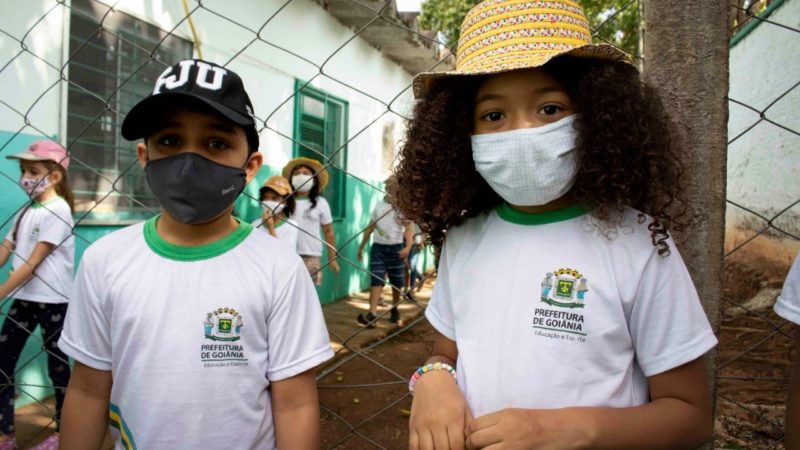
(311, 220)
(788, 303)
(548, 313)
(49, 222)
(388, 226)
(287, 231)
(193, 336)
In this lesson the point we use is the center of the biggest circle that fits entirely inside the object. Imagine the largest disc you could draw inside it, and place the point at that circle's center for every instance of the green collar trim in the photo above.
(36, 204)
(509, 214)
(280, 222)
(189, 253)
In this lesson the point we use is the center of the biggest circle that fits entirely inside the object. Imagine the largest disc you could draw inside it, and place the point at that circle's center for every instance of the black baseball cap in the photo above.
(211, 84)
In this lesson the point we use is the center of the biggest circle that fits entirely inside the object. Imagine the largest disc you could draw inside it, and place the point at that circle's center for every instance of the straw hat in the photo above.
(278, 184)
(502, 35)
(313, 164)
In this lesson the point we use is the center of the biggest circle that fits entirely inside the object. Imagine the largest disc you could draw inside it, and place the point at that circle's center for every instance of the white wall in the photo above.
(315, 47)
(764, 164)
(27, 75)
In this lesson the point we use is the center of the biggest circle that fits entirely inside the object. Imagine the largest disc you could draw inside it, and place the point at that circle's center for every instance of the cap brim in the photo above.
(423, 81)
(139, 120)
(27, 157)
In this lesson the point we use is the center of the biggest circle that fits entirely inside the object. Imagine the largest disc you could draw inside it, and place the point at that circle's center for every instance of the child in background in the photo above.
(309, 179)
(550, 156)
(788, 307)
(392, 244)
(279, 204)
(191, 330)
(41, 280)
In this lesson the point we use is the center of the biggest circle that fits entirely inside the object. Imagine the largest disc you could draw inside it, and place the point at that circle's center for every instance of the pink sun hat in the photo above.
(44, 150)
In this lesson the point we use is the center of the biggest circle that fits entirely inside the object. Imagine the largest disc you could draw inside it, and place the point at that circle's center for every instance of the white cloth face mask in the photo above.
(302, 183)
(273, 206)
(34, 186)
(528, 166)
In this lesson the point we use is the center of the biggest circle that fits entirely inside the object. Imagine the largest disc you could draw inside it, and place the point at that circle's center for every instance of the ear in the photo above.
(141, 154)
(55, 176)
(253, 165)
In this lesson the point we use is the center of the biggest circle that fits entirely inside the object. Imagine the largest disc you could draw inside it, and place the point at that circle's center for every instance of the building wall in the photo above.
(316, 48)
(763, 164)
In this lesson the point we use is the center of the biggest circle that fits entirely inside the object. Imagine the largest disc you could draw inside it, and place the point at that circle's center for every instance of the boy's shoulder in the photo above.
(123, 239)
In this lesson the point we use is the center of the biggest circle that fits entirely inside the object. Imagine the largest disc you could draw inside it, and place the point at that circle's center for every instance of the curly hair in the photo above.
(628, 156)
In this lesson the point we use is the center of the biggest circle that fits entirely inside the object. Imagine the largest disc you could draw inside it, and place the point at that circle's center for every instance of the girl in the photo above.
(566, 318)
(279, 205)
(309, 179)
(40, 282)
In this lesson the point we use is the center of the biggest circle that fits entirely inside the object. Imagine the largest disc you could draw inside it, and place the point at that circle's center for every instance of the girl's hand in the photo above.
(529, 429)
(439, 413)
(267, 215)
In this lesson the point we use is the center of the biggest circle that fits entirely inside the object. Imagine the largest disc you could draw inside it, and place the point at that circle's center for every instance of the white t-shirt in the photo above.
(287, 231)
(193, 336)
(548, 313)
(48, 222)
(788, 303)
(388, 227)
(311, 220)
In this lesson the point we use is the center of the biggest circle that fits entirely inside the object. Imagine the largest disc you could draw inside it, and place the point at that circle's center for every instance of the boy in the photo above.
(185, 336)
(390, 248)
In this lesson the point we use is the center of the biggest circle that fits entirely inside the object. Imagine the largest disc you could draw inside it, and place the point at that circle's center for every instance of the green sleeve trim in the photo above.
(197, 253)
(509, 214)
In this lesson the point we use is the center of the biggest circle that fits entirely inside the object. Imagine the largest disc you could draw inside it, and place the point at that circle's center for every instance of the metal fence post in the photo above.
(686, 59)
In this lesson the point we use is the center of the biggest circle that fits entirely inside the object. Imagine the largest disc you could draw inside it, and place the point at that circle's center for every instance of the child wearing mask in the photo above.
(566, 317)
(43, 250)
(279, 204)
(312, 213)
(185, 336)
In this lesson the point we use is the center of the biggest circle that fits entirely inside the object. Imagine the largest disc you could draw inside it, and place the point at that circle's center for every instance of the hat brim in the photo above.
(423, 81)
(322, 173)
(139, 120)
(27, 156)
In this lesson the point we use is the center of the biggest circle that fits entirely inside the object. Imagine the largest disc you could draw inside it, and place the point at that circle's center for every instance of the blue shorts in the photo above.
(384, 260)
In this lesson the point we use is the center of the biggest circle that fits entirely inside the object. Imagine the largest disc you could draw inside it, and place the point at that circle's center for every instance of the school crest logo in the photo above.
(565, 288)
(223, 324)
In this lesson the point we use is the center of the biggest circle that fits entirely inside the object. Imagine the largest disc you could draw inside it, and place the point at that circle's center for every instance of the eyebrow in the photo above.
(540, 91)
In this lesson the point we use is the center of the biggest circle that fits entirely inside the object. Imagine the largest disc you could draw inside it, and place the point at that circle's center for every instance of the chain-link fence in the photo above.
(763, 224)
(331, 80)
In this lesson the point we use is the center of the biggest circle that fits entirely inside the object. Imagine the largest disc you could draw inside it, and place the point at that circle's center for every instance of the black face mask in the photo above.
(194, 189)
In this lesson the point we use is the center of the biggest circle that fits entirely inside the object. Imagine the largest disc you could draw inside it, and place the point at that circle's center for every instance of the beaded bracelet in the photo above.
(428, 368)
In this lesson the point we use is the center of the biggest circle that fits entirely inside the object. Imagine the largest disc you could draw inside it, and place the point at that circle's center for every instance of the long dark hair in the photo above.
(628, 157)
(313, 194)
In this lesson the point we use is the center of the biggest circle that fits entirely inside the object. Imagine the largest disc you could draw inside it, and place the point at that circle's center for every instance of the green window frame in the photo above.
(320, 132)
(109, 72)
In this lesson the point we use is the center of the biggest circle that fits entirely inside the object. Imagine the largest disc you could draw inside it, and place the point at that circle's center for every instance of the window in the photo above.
(110, 70)
(320, 132)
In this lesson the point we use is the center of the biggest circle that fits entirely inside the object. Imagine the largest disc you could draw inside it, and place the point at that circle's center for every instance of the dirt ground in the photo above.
(354, 414)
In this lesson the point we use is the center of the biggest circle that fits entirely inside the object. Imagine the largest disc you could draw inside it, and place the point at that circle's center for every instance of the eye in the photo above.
(168, 140)
(550, 110)
(218, 144)
(493, 116)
